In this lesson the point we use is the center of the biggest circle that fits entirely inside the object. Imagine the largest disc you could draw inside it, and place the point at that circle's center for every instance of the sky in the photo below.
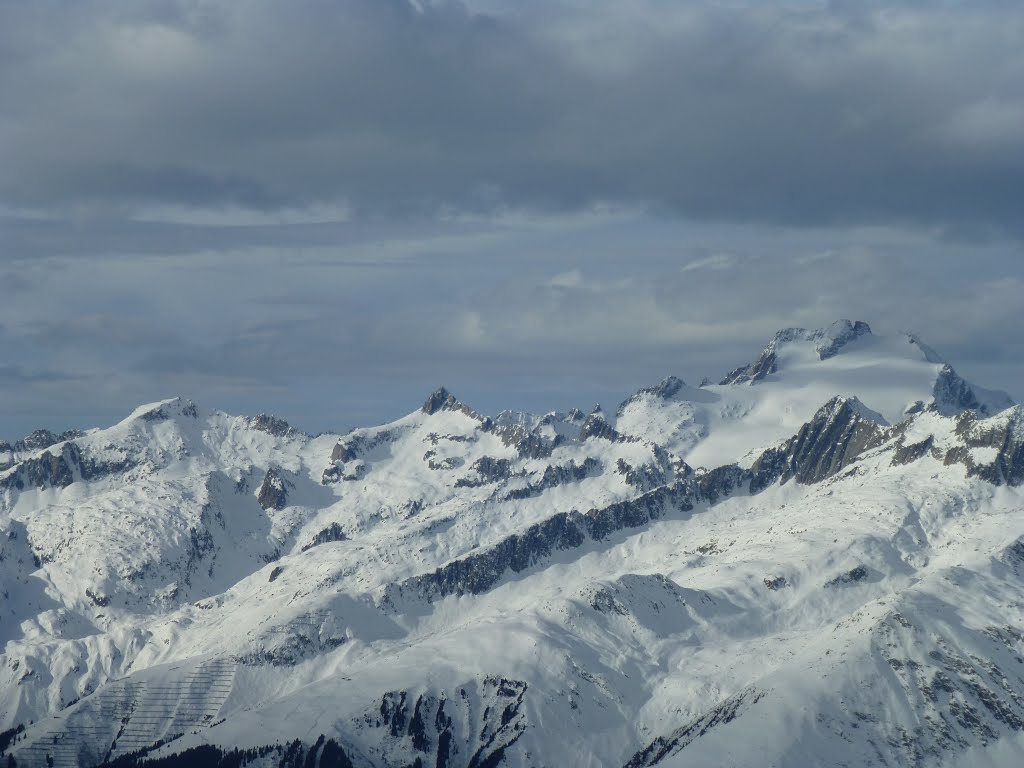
(325, 209)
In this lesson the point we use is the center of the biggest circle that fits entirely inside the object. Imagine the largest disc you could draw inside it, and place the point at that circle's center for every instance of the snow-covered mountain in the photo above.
(818, 561)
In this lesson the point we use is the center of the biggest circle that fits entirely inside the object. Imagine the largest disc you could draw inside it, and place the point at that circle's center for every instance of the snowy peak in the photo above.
(761, 404)
(952, 395)
(848, 407)
(826, 343)
(668, 387)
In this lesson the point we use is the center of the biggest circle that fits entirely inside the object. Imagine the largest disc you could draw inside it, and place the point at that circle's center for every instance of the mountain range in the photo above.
(818, 560)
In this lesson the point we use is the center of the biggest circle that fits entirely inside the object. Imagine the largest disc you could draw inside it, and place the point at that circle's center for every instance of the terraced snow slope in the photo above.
(819, 561)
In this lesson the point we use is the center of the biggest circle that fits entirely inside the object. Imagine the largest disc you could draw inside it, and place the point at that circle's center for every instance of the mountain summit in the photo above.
(816, 561)
(826, 342)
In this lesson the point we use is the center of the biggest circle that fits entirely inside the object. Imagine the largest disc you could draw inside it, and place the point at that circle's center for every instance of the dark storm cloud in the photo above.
(830, 113)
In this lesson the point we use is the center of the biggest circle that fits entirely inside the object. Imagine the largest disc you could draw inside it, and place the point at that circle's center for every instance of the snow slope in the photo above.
(817, 562)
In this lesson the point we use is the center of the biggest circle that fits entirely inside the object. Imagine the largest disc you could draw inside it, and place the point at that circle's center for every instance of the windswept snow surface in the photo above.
(819, 563)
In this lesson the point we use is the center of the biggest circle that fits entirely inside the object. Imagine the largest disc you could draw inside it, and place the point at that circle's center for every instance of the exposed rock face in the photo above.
(649, 475)
(479, 572)
(558, 475)
(597, 426)
(41, 438)
(434, 725)
(442, 400)
(953, 394)
(1005, 434)
(273, 493)
(838, 435)
(333, 532)
(527, 443)
(303, 637)
(838, 335)
(47, 471)
(675, 742)
(348, 452)
(272, 425)
(344, 451)
(37, 441)
(775, 583)
(754, 372)
(833, 439)
(860, 573)
(906, 453)
(489, 470)
(962, 697)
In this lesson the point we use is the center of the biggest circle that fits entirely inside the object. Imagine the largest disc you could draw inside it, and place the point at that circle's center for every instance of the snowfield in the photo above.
(818, 561)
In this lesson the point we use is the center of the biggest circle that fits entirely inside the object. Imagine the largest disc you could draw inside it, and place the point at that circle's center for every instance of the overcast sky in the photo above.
(326, 208)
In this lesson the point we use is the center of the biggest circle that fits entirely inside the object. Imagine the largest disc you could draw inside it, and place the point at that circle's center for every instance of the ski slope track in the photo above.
(817, 561)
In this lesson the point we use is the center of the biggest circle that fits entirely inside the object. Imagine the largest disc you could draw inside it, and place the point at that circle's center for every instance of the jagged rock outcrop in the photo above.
(528, 443)
(775, 583)
(597, 426)
(333, 532)
(860, 573)
(273, 493)
(953, 394)
(649, 475)
(433, 726)
(344, 451)
(557, 475)
(766, 363)
(840, 432)
(832, 339)
(675, 742)
(488, 470)
(442, 400)
(1004, 434)
(907, 453)
(837, 435)
(479, 572)
(272, 425)
(48, 470)
(43, 438)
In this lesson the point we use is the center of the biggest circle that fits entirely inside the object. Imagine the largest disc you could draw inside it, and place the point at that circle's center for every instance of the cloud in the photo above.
(571, 279)
(993, 123)
(16, 374)
(716, 261)
(329, 208)
(529, 318)
(808, 114)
